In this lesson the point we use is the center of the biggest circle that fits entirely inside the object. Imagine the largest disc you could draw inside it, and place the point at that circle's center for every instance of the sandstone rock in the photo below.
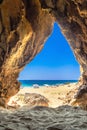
(24, 27)
(33, 99)
(28, 99)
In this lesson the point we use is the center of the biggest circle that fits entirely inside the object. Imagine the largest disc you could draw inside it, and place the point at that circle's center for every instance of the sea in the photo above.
(41, 83)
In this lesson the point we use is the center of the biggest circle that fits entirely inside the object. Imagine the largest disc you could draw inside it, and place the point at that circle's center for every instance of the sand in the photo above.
(44, 118)
(55, 94)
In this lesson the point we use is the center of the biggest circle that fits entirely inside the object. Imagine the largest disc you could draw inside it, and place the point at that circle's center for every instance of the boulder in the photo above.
(28, 99)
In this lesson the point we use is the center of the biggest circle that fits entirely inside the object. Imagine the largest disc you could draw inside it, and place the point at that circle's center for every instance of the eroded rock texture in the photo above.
(24, 27)
(44, 118)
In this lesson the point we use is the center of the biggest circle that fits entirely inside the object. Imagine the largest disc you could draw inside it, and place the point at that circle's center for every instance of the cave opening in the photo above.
(56, 61)
(54, 65)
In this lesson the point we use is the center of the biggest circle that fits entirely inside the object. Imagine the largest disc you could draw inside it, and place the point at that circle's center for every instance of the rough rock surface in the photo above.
(29, 99)
(44, 118)
(24, 27)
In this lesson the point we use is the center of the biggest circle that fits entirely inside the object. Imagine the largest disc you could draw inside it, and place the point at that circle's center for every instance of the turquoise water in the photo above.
(30, 83)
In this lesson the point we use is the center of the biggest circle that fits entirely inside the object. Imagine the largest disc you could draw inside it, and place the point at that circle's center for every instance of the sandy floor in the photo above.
(44, 118)
(55, 94)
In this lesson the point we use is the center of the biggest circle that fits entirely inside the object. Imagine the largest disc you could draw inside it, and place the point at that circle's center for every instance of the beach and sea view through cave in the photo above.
(43, 65)
(52, 66)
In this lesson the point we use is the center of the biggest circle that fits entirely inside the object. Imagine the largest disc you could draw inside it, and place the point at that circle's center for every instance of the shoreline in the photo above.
(42, 83)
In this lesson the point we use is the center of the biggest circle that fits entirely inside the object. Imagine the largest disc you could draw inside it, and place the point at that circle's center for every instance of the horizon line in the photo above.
(47, 79)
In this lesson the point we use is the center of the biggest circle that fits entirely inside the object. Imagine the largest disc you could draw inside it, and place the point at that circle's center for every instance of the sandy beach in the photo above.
(56, 95)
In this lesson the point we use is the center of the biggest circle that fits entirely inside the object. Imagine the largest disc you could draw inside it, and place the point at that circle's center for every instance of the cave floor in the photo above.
(44, 118)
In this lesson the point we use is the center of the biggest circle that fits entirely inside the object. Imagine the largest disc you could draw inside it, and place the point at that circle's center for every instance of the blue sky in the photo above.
(56, 60)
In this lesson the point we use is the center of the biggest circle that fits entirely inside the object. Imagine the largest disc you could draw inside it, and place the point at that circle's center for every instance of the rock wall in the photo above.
(24, 27)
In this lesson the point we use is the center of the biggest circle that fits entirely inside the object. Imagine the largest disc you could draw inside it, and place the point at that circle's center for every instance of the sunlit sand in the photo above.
(55, 94)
